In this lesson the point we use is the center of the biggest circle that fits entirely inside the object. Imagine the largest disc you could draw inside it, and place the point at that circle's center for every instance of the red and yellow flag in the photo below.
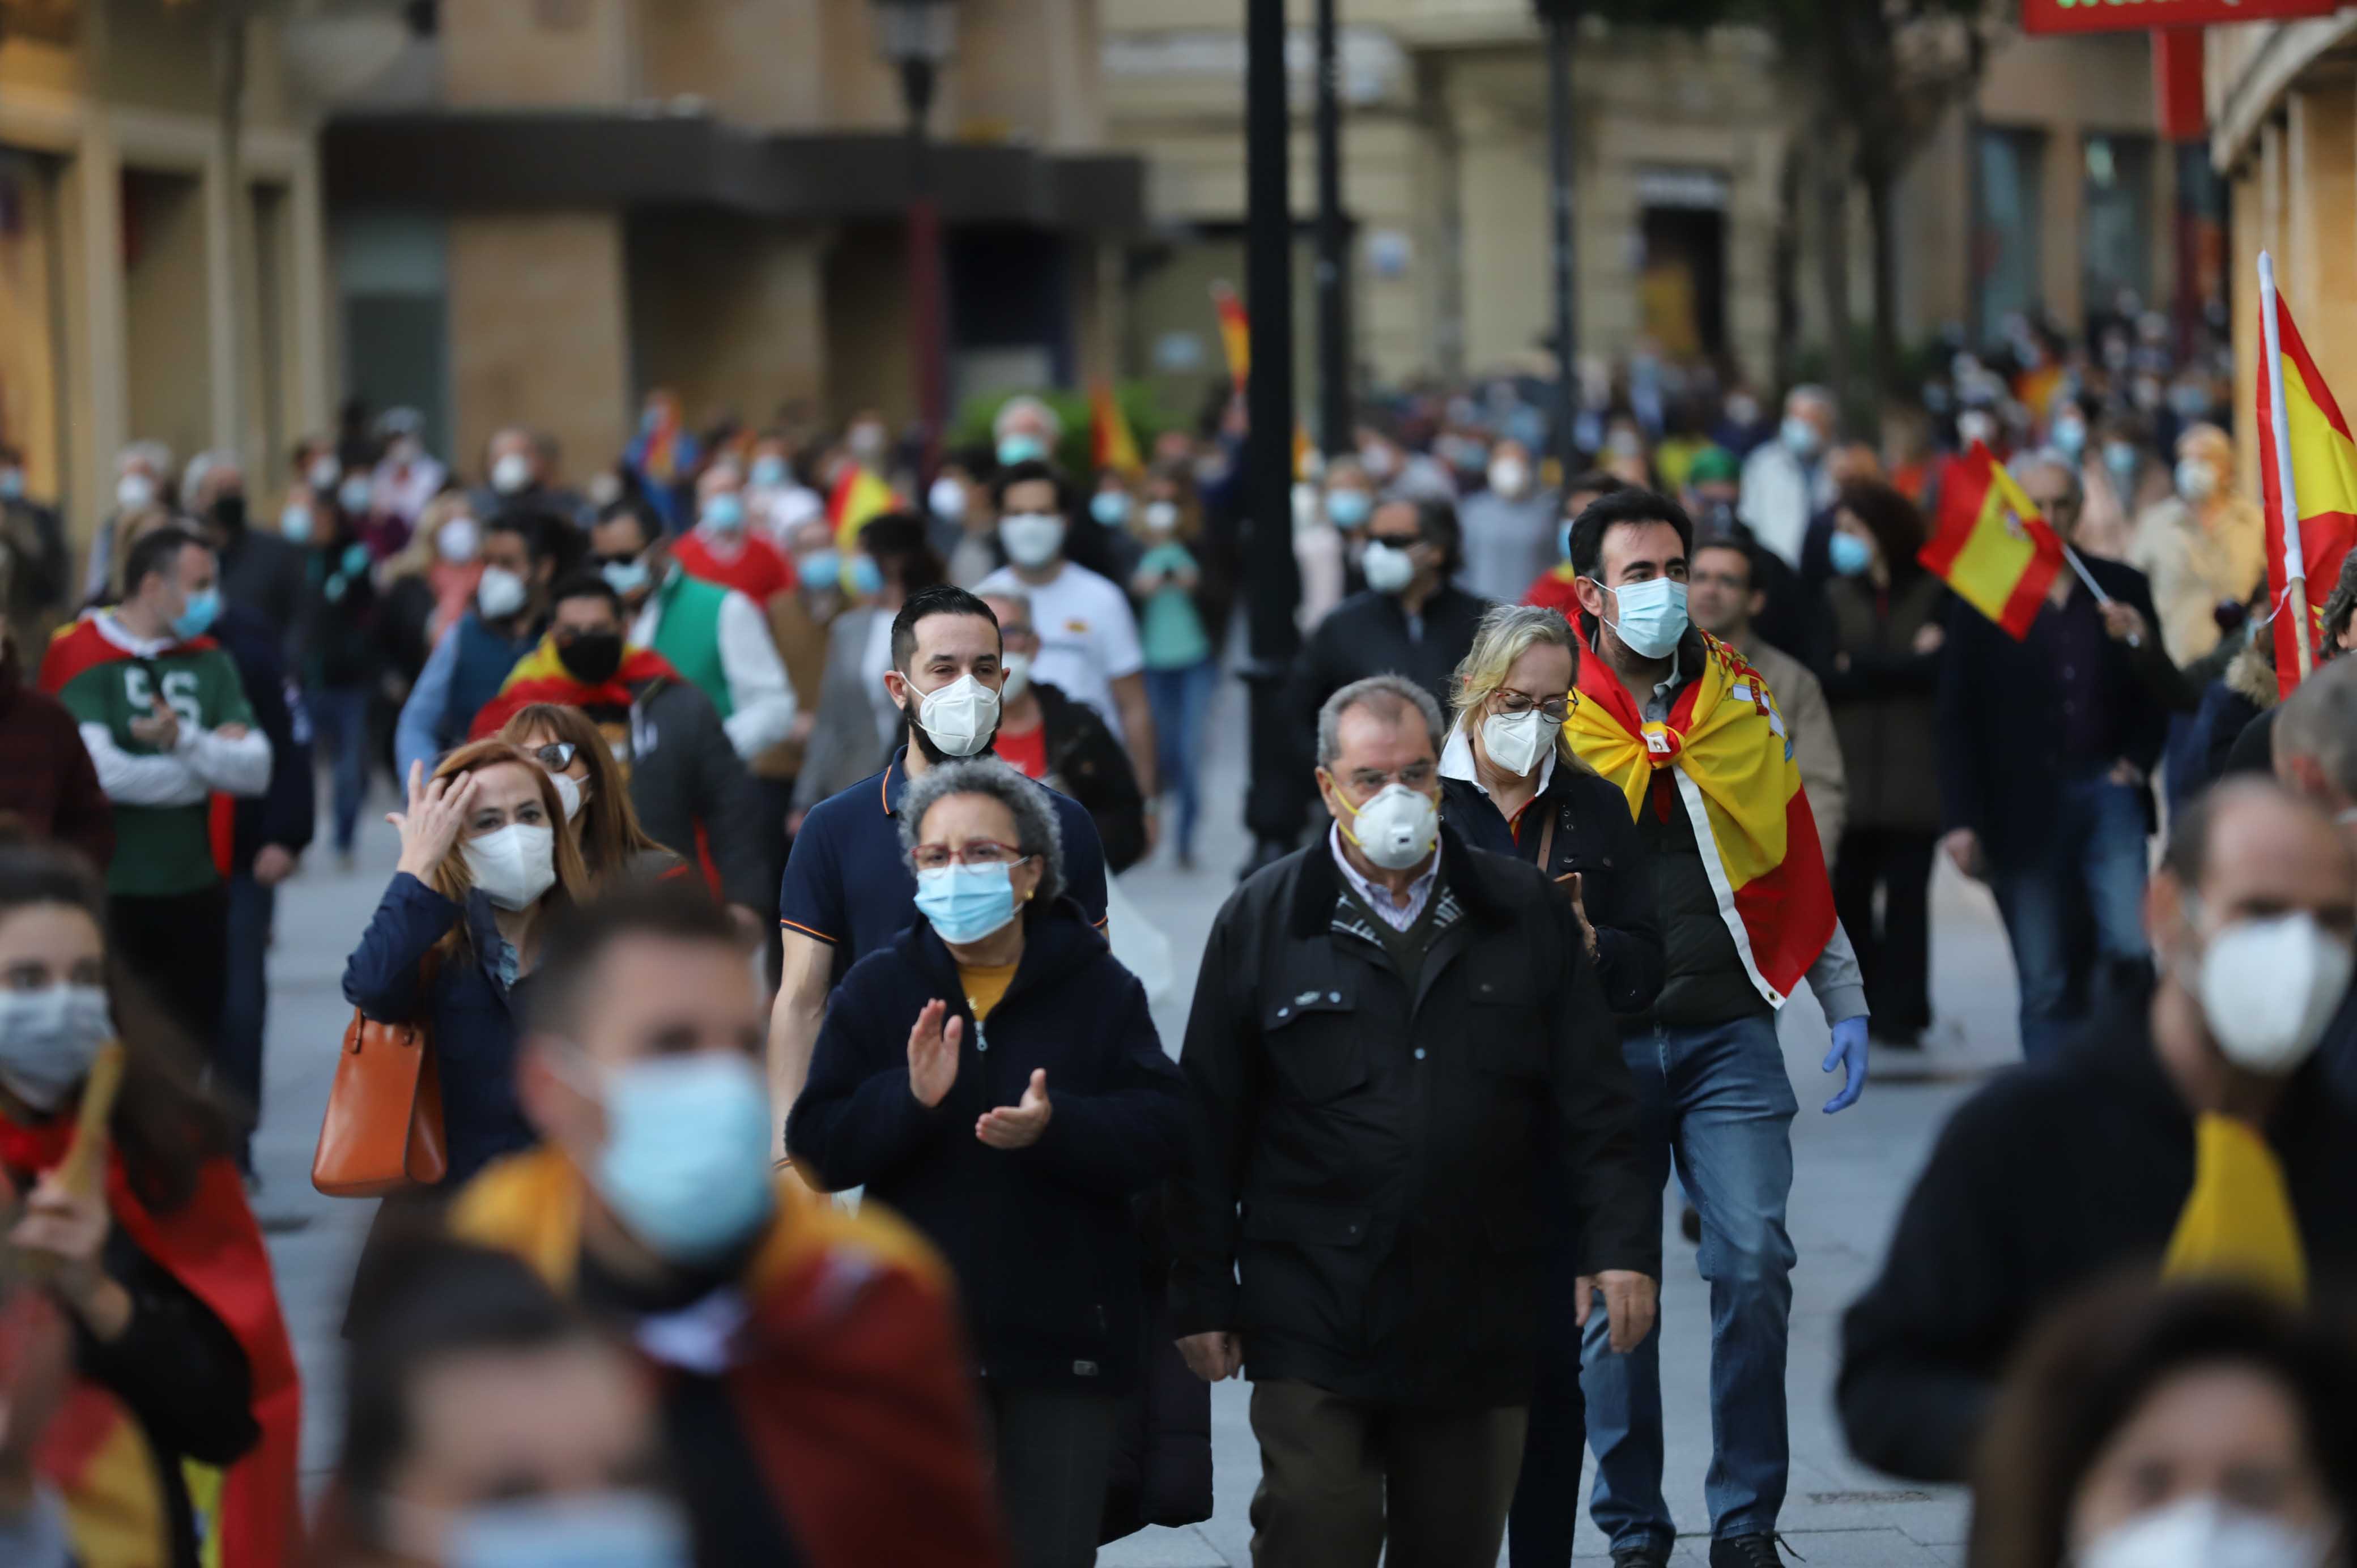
(859, 497)
(1235, 332)
(2324, 480)
(1725, 758)
(1111, 443)
(1992, 545)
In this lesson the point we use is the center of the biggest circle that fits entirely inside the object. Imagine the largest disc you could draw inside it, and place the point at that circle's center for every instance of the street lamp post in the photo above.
(917, 38)
(1559, 17)
(1334, 245)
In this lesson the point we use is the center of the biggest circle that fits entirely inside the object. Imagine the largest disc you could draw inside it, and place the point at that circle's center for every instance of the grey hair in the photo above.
(202, 468)
(1021, 598)
(2318, 720)
(2027, 463)
(1387, 695)
(1809, 391)
(154, 453)
(1037, 832)
(1022, 402)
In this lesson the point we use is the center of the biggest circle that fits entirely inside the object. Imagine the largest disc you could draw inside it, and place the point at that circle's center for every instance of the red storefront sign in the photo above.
(2135, 15)
(2177, 84)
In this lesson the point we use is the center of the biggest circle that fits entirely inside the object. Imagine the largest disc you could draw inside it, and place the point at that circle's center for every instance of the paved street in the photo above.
(1853, 1170)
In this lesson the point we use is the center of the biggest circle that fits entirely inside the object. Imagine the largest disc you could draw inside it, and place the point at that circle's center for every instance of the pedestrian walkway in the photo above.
(1852, 1172)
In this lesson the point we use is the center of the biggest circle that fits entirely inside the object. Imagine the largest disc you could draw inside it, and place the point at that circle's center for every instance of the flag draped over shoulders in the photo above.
(539, 676)
(1727, 756)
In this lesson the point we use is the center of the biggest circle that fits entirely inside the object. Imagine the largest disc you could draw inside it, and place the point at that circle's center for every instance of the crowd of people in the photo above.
(1595, 768)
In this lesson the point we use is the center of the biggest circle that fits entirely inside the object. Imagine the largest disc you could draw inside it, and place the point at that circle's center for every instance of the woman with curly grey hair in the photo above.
(995, 1075)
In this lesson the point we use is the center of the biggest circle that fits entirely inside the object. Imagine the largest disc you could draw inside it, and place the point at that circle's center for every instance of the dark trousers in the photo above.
(1894, 951)
(1051, 1448)
(1546, 1498)
(1339, 1477)
(177, 945)
(245, 1010)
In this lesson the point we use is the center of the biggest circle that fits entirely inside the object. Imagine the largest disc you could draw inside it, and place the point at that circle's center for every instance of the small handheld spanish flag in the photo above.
(1235, 333)
(1993, 547)
(1111, 447)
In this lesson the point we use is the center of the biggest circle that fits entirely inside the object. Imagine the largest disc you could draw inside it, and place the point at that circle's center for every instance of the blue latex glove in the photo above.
(1849, 1053)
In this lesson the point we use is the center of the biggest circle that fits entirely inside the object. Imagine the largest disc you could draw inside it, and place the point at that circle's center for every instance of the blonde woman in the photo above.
(1509, 784)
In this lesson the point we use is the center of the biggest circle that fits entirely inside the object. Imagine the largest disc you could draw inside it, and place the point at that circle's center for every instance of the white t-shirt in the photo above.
(1088, 636)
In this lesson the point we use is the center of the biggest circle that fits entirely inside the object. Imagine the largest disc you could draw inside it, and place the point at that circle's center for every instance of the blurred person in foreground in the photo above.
(813, 1392)
(48, 787)
(2174, 1426)
(470, 662)
(487, 1422)
(180, 1444)
(1511, 785)
(994, 1072)
(1044, 734)
(1675, 721)
(2201, 547)
(1553, 589)
(593, 784)
(1397, 1040)
(33, 552)
(1880, 668)
(2314, 741)
(2047, 747)
(2191, 1123)
(2252, 750)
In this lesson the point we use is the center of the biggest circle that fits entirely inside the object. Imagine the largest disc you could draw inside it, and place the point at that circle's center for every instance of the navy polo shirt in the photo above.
(849, 886)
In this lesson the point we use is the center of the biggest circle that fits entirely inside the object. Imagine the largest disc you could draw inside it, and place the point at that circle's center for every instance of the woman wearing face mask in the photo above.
(2187, 1426)
(1509, 784)
(857, 724)
(1880, 670)
(1182, 669)
(180, 1358)
(995, 1075)
(580, 762)
(2200, 546)
(456, 938)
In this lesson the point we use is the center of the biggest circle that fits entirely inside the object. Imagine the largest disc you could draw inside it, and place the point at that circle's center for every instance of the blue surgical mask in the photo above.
(1653, 616)
(686, 1161)
(819, 569)
(2122, 458)
(767, 473)
(1347, 508)
(626, 577)
(203, 609)
(866, 577)
(294, 522)
(1849, 555)
(1799, 438)
(2070, 436)
(596, 1530)
(12, 484)
(1563, 540)
(354, 493)
(966, 902)
(1014, 449)
(723, 513)
(1109, 507)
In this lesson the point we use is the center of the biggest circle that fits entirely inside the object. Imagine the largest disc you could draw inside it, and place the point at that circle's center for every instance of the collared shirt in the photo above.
(1398, 916)
(848, 885)
(1457, 761)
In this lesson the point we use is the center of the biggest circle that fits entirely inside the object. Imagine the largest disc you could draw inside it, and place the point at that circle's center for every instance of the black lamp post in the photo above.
(917, 38)
(1560, 17)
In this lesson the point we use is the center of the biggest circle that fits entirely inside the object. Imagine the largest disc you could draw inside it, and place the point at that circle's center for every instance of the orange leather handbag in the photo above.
(384, 1127)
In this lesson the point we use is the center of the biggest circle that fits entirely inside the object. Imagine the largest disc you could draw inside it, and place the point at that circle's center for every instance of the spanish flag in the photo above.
(1235, 332)
(2324, 484)
(858, 497)
(1723, 757)
(1111, 447)
(1992, 545)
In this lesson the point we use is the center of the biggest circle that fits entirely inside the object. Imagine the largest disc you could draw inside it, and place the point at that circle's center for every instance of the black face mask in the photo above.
(591, 657)
(228, 512)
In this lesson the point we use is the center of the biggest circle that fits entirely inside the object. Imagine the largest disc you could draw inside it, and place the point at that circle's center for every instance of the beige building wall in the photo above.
(539, 329)
(527, 53)
(730, 314)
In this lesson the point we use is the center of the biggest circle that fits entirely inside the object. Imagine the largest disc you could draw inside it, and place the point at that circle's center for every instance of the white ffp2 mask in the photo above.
(960, 717)
(514, 865)
(1516, 742)
(2268, 988)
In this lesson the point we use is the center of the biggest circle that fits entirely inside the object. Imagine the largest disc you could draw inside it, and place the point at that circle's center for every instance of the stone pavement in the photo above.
(1853, 1170)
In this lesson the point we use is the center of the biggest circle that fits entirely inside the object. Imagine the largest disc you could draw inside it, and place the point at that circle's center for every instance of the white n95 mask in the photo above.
(959, 717)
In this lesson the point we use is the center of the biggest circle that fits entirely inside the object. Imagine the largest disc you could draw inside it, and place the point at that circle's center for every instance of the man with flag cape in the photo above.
(1690, 734)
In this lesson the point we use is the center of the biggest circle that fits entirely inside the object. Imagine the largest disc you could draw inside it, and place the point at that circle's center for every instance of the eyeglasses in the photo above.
(1416, 776)
(1555, 710)
(556, 756)
(979, 852)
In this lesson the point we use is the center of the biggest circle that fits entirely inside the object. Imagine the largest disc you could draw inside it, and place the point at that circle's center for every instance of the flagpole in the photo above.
(2093, 587)
(2294, 558)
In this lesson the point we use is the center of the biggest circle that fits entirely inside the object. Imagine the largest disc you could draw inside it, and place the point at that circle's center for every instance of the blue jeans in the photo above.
(1717, 1098)
(1180, 699)
(340, 719)
(2075, 910)
(245, 996)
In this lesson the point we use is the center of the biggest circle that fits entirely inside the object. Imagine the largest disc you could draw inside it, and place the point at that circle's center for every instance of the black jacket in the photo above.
(287, 813)
(261, 571)
(2001, 723)
(2055, 1176)
(1371, 1158)
(1086, 762)
(1042, 1240)
(1594, 835)
(684, 774)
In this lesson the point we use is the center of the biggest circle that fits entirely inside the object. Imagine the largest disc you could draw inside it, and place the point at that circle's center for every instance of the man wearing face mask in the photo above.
(1088, 646)
(1395, 1039)
(715, 637)
(1025, 430)
(814, 1401)
(261, 570)
(517, 473)
(847, 888)
(142, 478)
(2191, 1127)
(687, 784)
(1786, 482)
(168, 726)
(723, 546)
(471, 661)
(1695, 742)
(1508, 525)
(2204, 545)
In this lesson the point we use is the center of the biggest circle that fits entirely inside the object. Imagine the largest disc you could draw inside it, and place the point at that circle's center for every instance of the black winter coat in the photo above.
(1595, 836)
(1042, 1240)
(1370, 1158)
(2054, 1176)
(1087, 762)
(287, 813)
(685, 774)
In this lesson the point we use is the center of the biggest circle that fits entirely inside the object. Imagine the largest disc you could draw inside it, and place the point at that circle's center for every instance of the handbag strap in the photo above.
(1546, 838)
